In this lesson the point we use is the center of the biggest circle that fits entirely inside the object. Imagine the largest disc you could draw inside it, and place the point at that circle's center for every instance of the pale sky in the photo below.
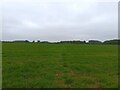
(56, 20)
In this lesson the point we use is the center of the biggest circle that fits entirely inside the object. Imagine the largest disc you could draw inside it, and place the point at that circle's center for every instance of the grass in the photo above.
(0, 65)
(34, 65)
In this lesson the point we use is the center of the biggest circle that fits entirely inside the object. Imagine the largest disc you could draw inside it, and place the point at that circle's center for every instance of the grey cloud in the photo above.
(56, 21)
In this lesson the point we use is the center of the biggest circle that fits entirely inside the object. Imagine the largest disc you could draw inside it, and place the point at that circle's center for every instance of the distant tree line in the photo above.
(74, 42)
(112, 42)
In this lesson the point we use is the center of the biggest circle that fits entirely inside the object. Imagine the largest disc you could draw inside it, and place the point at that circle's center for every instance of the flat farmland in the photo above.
(37, 65)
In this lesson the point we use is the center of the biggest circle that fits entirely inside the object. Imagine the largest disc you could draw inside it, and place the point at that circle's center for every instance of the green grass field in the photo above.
(0, 65)
(34, 65)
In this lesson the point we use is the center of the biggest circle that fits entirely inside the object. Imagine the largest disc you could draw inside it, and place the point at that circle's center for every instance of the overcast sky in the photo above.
(56, 20)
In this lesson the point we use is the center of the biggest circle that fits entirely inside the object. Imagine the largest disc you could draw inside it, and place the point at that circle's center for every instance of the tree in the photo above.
(38, 41)
(113, 42)
(33, 41)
